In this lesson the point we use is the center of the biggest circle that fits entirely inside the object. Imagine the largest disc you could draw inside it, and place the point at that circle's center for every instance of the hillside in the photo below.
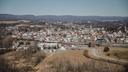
(65, 61)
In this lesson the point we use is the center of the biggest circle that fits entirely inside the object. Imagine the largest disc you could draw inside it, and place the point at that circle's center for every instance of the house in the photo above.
(49, 47)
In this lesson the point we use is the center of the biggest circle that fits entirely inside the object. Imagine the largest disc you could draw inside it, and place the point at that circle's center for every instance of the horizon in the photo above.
(63, 15)
(65, 7)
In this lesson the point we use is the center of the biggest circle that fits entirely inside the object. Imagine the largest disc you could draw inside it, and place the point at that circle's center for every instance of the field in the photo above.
(64, 61)
(118, 53)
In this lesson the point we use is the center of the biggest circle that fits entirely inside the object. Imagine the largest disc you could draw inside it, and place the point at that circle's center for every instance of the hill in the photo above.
(63, 18)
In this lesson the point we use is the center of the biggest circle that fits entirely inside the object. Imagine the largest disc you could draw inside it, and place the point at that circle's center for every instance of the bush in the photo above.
(108, 54)
(89, 44)
(7, 42)
(26, 69)
(106, 49)
(5, 67)
(38, 57)
(85, 53)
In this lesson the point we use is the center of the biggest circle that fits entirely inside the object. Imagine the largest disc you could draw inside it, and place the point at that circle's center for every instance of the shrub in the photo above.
(89, 44)
(26, 69)
(7, 42)
(106, 49)
(38, 57)
(108, 54)
(5, 67)
(85, 53)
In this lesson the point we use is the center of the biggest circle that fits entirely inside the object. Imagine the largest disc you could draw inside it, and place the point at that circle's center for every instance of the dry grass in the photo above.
(21, 61)
(61, 62)
(65, 61)
(119, 53)
(76, 61)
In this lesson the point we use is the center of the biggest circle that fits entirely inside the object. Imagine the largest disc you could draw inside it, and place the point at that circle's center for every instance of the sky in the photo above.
(65, 7)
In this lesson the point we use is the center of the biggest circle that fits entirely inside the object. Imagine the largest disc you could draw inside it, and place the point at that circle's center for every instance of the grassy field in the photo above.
(118, 53)
(76, 61)
(20, 61)
(64, 61)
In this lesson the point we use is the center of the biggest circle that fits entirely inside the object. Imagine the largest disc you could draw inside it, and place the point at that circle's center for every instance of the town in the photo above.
(63, 35)
(36, 45)
(60, 36)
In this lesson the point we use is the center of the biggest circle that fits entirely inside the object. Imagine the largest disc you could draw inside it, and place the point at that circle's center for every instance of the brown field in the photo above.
(118, 53)
(65, 61)
(21, 61)
(75, 61)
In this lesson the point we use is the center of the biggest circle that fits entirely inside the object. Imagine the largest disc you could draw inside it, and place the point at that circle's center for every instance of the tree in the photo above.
(7, 42)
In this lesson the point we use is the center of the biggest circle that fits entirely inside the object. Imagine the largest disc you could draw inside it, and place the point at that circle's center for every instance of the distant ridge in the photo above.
(67, 18)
